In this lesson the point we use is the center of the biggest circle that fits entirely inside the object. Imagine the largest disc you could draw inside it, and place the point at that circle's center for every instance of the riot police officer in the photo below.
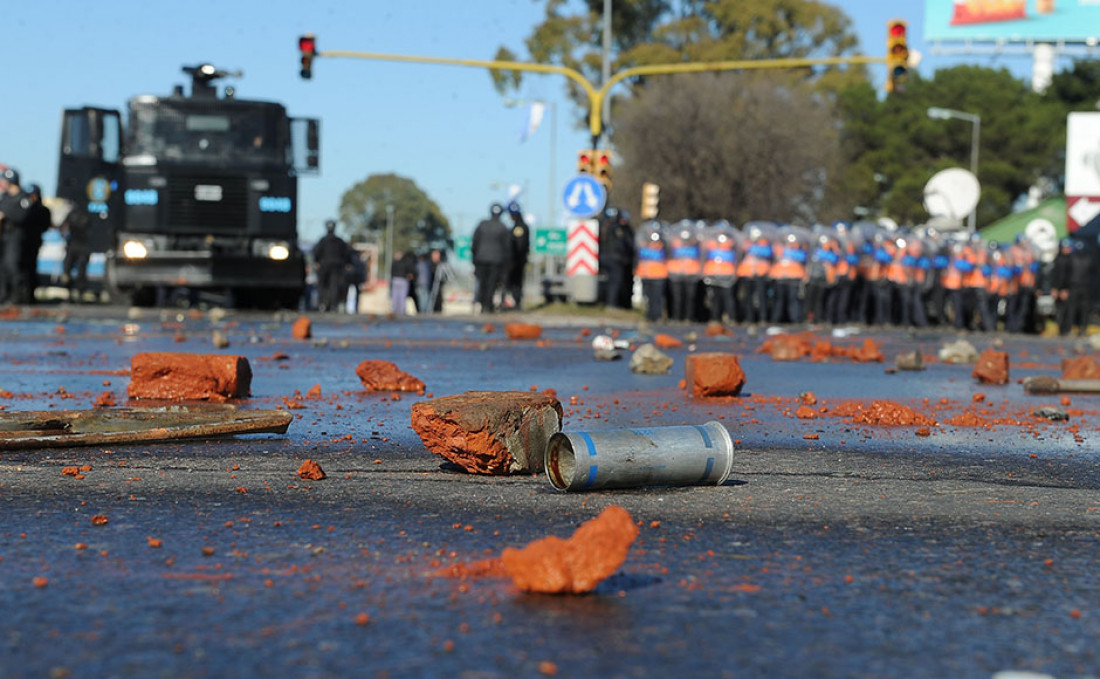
(38, 220)
(332, 255)
(492, 252)
(521, 248)
(15, 204)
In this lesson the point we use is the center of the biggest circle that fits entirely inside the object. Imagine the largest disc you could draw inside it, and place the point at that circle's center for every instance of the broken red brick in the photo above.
(311, 471)
(594, 552)
(489, 432)
(666, 341)
(991, 367)
(179, 376)
(105, 400)
(314, 392)
(385, 376)
(714, 374)
(1080, 368)
(716, 329)
(302, 328)
(523, 331)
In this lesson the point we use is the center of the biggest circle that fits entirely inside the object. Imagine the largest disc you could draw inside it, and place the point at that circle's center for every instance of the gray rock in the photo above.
(1053, 413)
(909, 360)
(959, 351)
(649, 360)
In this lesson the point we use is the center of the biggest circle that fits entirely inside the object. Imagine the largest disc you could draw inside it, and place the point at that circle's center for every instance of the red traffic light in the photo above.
(584, 159)
(603, 159)
(897, 29)
(307, 44)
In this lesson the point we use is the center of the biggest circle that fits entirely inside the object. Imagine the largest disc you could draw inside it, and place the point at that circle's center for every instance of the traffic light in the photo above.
(307, 45)
(651, 196)
(585, 160)
(601, 167)
(897, 55)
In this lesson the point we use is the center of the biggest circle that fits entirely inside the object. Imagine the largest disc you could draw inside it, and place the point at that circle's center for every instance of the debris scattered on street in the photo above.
(959, 351)
(793, 346)
(991, 367)
(182, 376)
(574, 566)
(909, 360)
(1080, 368)
(523, 331)
(649, 360)
(302, 328)
(628, 458)
(386, 376)
(219, 339)
(667, 341)
(311, 471)
(714, 374)
(489, 432)
(1044, 384)
(1052, 413)
(66, 428)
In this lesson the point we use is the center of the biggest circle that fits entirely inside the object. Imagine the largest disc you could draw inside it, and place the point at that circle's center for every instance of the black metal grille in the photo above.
(228, 214)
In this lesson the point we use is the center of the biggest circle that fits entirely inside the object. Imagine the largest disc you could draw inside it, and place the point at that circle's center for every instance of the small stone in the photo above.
(385, 376)
(180, 376)
(714, 374)
(1052, 413)
(219, 340)
(649, 360)
(607, 354)
(991, 367)
(302, 328)
(667, 342)
(909, 360)
(959, 351)
(523, 331)
(489, 432)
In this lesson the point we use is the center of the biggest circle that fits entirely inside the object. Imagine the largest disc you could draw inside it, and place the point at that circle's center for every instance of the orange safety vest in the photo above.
(1024, 264)
(1000, 279)
(895, 270)
(790, 264)
(952, 276)
(720, 258)
(652, 262)
(756, 261)
(683, 259)
(975, 278)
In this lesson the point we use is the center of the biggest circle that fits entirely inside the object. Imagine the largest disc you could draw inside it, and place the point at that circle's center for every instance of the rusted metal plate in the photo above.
(63, 428)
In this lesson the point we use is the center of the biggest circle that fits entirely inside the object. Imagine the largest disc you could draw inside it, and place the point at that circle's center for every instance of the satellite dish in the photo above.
(887, 223)
(952, 193)
(1044, 237)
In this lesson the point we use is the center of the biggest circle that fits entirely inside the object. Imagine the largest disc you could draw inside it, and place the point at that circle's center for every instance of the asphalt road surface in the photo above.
(836, 549)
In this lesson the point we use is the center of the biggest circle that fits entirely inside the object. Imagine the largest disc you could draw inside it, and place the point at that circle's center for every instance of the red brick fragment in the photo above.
(992, 367)
(311, 471)
(105, 400)
(1080, 368)
(179, 376)
(574, 566)
(714, 374)
(489, 432)
(302, 328)
(523, 331)
(664, 341)
(385, 376)
(716, 329)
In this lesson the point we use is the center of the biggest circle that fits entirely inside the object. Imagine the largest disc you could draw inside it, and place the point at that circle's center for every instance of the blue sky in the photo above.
(442, 126)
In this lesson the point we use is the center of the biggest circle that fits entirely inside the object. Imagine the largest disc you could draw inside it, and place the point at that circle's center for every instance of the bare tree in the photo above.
(727, 146)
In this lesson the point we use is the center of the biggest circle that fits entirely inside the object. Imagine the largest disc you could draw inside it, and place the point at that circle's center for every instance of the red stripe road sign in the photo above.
(582, 248)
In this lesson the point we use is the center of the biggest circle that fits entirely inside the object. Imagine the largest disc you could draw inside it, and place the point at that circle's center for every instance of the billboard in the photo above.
(1011, 20)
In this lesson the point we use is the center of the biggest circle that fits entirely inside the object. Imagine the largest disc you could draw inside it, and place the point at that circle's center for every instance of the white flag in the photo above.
(534, 119)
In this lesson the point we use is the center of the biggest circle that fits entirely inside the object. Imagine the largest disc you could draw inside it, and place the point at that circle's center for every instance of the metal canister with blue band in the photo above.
(648, 456)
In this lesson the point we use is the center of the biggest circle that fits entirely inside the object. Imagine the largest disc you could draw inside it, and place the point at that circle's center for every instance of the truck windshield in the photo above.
(205, 134)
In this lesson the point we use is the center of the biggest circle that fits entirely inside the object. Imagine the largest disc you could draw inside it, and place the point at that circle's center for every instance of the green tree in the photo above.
(660, 31)
(893, 147)
(417, 219)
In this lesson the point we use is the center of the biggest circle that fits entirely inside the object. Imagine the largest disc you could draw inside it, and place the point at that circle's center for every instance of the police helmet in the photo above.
(624, 216)
(514, 208)
(330, 225)
(34, 190)
(975, 237)
(1066, 243)
(612, 213)
(11, 176)
(496, 210)
(994, 246)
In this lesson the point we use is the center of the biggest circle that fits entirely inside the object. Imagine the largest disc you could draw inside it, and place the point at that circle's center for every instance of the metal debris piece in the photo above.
(63, 428)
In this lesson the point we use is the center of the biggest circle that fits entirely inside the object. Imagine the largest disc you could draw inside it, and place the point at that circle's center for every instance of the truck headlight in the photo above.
(278, 252)
(134, 249)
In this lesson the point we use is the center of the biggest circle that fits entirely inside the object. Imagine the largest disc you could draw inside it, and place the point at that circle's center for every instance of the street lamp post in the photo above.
(389, 244)
(976, 125)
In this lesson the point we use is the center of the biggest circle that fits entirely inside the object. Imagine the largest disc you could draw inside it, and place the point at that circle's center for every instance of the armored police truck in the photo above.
(196, 192)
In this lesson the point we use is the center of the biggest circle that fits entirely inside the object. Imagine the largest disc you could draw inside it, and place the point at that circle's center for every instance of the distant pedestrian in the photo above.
(74, 268)
(424, 276)
(492, 254)
(332, 255)
(521, 248)
(14, 207)
(402, 278)
(37, 222)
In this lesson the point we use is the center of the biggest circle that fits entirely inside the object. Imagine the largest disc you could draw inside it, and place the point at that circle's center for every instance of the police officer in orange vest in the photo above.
(753, 270)
(1026, 268)
(1000, 285)
(788, 274)
(720, 270)
(652, 269)
(685, 268)
(974, 283)
(821, 277)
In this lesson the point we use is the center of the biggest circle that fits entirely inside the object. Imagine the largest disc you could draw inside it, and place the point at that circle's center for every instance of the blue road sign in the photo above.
(584, 196)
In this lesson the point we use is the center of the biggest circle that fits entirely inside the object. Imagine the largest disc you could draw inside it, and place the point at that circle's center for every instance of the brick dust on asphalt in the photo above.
(835, 549)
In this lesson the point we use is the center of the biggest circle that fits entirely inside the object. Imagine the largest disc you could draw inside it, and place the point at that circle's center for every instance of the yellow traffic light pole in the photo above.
(597, 95)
